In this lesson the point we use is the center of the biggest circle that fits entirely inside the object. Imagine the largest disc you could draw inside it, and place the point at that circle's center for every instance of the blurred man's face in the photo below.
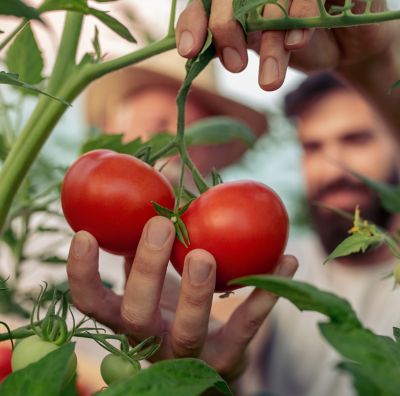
(343, 130)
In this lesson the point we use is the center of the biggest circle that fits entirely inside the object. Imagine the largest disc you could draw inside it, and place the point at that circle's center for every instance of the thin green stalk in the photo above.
(180, 187)
(155, 48)
(332, 21)
(171, 28)
(322, 11)
(7, 125)
(22, 332)
(65, 60)
(163, 151)
(13, 34)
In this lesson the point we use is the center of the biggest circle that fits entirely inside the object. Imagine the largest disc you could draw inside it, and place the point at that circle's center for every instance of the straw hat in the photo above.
(166, 69)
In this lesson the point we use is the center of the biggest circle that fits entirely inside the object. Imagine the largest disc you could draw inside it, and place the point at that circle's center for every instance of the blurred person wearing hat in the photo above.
(139, 101)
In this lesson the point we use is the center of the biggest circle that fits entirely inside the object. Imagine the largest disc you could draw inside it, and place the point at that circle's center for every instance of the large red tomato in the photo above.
(5, 360)
(109, 195)
(244, 225)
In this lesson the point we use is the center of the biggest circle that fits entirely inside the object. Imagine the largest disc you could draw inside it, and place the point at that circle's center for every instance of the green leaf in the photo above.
(306, 297)
(396, 85)
(179, 377)
(18, 8)
(216, 177)
(361, 381)
(113, 24)
(207, 6)
(378, 356)
(389, 195)
(159, 141)
(13, 79)
(52, 260)
(96, 44)
(219, 130)
(44, 377)
(242, 7)
(396, 334)
(162, 211)
(361, 345)
(81, 6)
(24, 57)
(112, 142)
(354, 244)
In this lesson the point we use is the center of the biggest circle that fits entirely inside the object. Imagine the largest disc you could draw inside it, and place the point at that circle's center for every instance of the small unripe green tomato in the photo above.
(114, 368)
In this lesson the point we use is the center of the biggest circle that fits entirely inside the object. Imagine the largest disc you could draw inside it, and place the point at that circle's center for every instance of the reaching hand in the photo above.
(304, 49)
(156, 304)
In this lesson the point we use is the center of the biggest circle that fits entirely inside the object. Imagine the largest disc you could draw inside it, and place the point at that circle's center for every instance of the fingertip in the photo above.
(296, 39)
(83, 244)
(201, 254)
(288, 266)
(270, 77)
(234, 59)
(200, 269)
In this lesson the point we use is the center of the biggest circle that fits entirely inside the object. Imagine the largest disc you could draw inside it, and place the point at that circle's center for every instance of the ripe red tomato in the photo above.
(244, 225)
(5, 361)
(109, 195)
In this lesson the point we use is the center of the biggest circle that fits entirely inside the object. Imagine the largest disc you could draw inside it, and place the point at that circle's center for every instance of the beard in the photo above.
(332, 228)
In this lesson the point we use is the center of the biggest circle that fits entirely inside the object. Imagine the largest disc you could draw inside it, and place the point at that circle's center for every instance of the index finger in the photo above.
(88, 293)
(191, 29)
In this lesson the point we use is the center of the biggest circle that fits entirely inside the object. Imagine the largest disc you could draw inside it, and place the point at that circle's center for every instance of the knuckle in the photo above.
(86, 307)
(222, 29)
(250, 328)
(196, 300)
(223, 366)
(145, 267)
(186, 344)
(135, 321)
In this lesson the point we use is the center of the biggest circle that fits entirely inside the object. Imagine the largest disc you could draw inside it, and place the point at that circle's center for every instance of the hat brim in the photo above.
(104, 95)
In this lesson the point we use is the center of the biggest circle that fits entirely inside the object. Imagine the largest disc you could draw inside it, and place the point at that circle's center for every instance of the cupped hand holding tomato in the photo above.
(154, 303)
(109, 195)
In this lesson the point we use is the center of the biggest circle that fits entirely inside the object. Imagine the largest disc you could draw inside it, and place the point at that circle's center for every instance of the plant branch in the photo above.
(171, 28)
(99, 70)
(330, 21)
(66, 55)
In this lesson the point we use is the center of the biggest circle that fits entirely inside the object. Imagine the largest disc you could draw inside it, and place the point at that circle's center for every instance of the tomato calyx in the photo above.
(176, 217)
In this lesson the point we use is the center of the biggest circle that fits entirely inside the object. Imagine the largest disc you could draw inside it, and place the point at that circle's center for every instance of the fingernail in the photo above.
(294, 37)
(81, 244)
(287, 268)
(269, 72)
(198, 271)
(232, 59)
(157, 233)
(185, 43)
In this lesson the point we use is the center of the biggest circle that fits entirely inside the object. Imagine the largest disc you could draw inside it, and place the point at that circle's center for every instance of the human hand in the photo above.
(305, 49)
(155, 304)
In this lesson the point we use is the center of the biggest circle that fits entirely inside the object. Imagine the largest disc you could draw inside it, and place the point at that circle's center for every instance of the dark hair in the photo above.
(311, 90)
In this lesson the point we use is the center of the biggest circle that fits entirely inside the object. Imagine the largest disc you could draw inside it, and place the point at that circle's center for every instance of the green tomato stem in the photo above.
(65, 60)
(163, 45)
(329, 21)
(171, 28)
(21, 332)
